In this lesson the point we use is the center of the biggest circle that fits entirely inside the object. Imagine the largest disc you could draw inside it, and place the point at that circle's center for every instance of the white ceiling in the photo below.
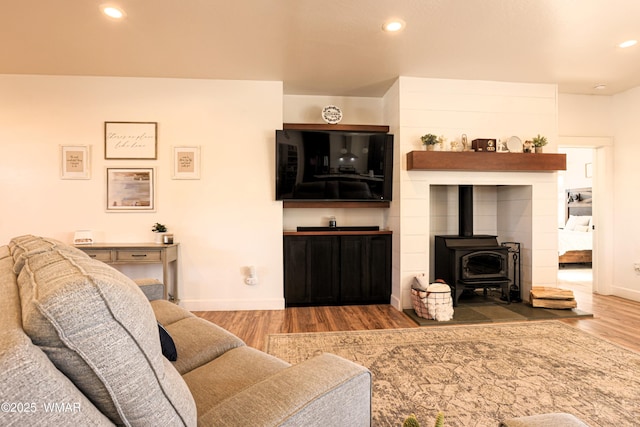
(329, 47)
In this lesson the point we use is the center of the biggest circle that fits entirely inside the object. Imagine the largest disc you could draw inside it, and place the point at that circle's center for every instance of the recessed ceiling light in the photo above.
(393, 26)
(113, 12)
(628, 43)
(600, 86)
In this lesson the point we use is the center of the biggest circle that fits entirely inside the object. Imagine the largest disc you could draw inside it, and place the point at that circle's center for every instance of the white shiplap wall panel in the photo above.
(479, 109)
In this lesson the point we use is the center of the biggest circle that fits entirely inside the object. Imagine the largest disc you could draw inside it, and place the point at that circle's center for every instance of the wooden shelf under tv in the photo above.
(339, 127)
(486, 162)
(327, 204)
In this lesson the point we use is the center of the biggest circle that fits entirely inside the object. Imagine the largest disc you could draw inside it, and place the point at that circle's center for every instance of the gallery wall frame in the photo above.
(186, 162)
(131, 140)
(75, 162)
(131, 190)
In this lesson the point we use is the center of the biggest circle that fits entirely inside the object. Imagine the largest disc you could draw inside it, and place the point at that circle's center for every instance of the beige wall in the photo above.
(228, 220)
(626, 187)
(225, 221)
(585, 115)
(610, 124)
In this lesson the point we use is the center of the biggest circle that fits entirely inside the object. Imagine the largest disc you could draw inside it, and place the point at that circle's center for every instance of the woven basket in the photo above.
(422, 300)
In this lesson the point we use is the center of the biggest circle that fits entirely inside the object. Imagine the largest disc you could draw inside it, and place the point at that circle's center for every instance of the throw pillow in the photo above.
(97, 327)
(168, 346)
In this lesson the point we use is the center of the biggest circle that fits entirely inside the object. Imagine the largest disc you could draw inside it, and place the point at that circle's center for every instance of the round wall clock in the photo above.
(331, 114)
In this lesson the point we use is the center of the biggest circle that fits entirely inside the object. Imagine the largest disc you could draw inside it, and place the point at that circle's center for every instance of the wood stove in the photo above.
(467, 261)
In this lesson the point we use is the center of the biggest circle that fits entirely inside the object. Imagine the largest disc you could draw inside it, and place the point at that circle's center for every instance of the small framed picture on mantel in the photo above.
(130, 140)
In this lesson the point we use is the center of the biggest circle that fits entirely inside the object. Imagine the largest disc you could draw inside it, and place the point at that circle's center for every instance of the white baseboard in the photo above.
(626, 293)
(396, 303)
(232, 305)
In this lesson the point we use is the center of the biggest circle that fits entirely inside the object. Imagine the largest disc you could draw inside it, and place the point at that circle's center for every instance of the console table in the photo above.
(141, 253)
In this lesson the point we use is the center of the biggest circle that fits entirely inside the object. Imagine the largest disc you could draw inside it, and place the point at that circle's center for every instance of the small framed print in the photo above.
(130, 140)
(75, 162)
(186, 163)
(131, 190)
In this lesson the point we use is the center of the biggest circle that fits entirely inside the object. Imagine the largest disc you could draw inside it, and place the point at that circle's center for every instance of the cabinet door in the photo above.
(311, 270)
(365, 269)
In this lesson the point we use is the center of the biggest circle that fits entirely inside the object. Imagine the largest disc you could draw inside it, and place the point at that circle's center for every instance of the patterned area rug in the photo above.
(480, 374)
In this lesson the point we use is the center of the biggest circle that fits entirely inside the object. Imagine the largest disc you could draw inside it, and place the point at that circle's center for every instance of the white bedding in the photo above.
(570, 240)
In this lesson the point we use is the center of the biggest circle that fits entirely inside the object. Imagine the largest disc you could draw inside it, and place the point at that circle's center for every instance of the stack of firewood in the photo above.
(545, 297)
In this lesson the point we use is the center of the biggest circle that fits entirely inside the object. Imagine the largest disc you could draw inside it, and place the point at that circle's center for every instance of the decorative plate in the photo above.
(514, 144)
(331, 114)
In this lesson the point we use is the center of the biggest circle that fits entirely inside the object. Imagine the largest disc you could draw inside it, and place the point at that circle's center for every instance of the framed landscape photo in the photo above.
(186, 163)
(131, 190)
(130, 140)
(75, 162)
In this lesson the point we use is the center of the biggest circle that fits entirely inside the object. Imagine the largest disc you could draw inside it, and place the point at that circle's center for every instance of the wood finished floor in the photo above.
(615, 319)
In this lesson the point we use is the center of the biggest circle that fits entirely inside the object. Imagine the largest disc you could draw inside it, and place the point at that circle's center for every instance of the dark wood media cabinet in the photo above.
(337, 268)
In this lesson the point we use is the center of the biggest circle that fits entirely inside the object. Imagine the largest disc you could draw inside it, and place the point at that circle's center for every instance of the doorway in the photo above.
(599, 170)
(575, 223)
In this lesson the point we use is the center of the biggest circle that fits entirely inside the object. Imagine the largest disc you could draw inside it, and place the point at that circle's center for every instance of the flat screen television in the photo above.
(330, 165)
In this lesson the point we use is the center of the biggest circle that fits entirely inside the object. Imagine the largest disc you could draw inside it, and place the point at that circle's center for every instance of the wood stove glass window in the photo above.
(484, 265)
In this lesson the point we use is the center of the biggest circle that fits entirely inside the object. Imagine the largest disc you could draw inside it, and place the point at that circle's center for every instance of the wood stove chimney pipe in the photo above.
(465, 210)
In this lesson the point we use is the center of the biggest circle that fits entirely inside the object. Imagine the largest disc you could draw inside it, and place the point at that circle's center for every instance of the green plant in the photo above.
(159, 228)
(539, 141)
(411, 421)
(440, 419)
(429, 139)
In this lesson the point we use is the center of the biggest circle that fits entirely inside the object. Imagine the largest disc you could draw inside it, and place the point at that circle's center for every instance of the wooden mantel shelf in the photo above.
(486, 162)
(344, 128)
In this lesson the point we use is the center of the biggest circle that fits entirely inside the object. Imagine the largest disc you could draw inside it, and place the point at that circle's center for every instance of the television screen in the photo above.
(333, 165)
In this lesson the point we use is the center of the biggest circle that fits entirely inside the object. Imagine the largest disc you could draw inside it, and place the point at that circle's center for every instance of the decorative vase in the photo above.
(430, 147)
(158, 237)
(538, 149)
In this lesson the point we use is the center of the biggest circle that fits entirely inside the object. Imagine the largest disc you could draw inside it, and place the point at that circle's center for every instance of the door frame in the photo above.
(602, 206)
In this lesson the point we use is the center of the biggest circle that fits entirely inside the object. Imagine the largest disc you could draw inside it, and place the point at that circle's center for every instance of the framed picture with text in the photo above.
(131, 190)
(186, 163)
(130, 140)
(75, 162)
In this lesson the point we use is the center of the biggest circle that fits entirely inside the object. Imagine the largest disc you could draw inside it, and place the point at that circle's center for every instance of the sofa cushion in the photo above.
(23, 246)
(232, 372)
(197, 340)
(168, 313)
(27, 375)
(98, 328)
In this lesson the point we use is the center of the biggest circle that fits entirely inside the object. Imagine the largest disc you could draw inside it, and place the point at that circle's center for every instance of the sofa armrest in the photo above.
(153, 289)
(324, 391)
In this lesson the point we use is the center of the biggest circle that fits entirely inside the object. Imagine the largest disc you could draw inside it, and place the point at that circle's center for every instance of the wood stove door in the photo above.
(484, 265)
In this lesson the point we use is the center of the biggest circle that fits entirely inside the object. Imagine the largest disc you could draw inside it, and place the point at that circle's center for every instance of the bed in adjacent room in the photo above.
(575, 239)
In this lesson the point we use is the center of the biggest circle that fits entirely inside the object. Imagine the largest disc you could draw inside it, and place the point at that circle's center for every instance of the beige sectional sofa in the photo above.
(79, 345)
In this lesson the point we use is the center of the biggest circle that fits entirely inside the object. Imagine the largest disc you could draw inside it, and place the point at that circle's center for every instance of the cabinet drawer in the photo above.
(138, 256)
(104, 256)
